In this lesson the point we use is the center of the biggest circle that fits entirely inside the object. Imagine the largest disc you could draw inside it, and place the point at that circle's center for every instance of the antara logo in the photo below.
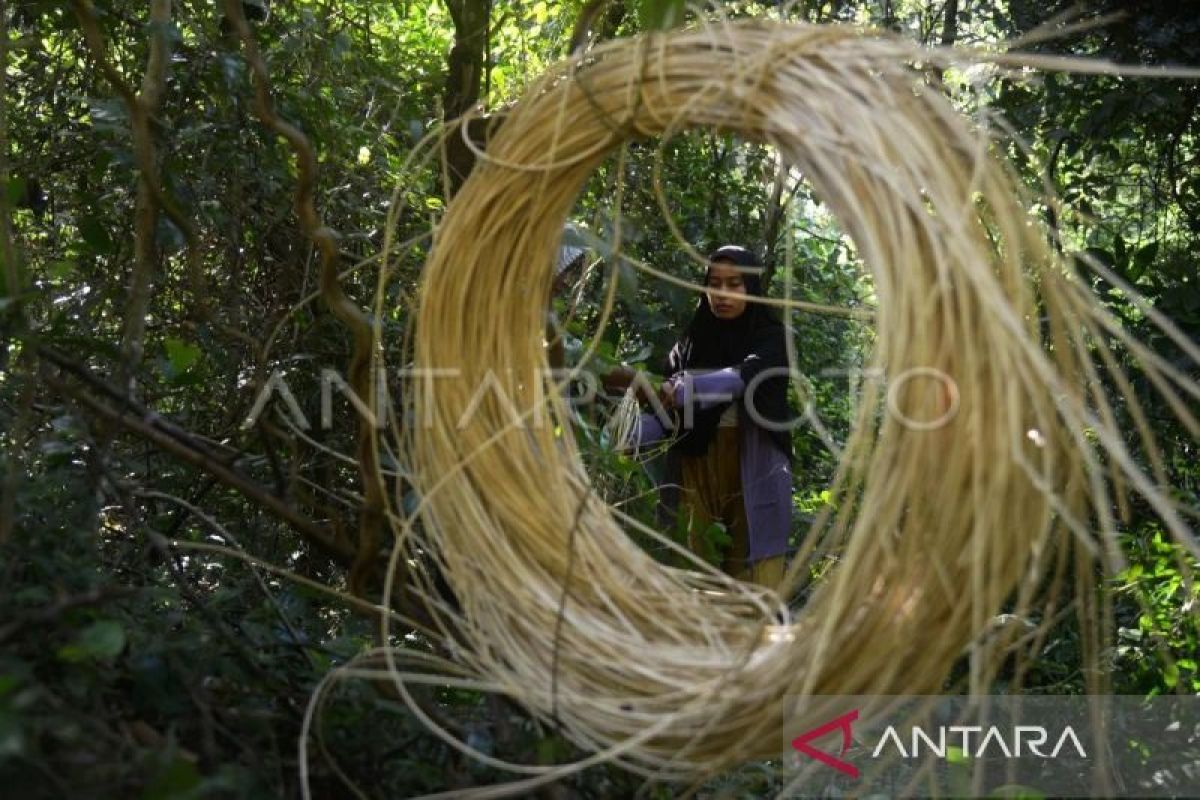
(991, 741)
(973, 741)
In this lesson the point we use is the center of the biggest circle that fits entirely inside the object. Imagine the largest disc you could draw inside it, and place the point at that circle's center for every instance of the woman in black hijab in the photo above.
(728, 392)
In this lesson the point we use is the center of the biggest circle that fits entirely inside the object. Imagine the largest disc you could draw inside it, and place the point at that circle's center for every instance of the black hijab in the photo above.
(754, 341)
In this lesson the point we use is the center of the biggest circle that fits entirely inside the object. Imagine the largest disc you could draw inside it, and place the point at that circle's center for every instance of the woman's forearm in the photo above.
(709, 388)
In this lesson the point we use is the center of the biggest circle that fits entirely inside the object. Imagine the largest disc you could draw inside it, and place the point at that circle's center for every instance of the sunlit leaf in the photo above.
(661, 14)
(181, 356)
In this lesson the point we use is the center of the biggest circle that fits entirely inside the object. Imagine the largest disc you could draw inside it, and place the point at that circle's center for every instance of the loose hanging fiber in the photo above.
(938, 529)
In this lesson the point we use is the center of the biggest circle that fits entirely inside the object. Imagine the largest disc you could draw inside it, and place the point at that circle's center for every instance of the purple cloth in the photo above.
(766, 471)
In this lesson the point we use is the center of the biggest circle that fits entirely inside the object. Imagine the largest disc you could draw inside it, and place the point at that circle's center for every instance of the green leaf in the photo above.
(552, 749)
(95, 235)
(61, 270)
(178, 780)
(1171, 675)
(101, 641)
(181, 356)
(1120, 253)
(718, 535)
(660, 14)
(16, 190)
(1143, 259)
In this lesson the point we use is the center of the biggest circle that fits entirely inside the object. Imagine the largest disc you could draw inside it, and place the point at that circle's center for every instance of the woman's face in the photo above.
(729, 278)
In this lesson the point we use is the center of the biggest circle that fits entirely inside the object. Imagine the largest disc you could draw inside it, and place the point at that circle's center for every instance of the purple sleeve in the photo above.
(649, 430)
(710, 388)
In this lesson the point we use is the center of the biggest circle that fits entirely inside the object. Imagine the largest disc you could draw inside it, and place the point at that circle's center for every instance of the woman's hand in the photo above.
(666, 393)
(617, 379)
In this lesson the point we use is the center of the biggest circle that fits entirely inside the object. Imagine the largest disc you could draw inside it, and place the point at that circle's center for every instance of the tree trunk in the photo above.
(950, 23)
(464, 76)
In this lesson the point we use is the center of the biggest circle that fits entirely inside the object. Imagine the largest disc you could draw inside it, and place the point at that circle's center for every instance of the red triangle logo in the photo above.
(801, 743)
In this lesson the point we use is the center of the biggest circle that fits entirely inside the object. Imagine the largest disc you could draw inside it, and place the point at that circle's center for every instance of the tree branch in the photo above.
(361, 372)
(141, 107)
(147, 428)
(464, 77)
